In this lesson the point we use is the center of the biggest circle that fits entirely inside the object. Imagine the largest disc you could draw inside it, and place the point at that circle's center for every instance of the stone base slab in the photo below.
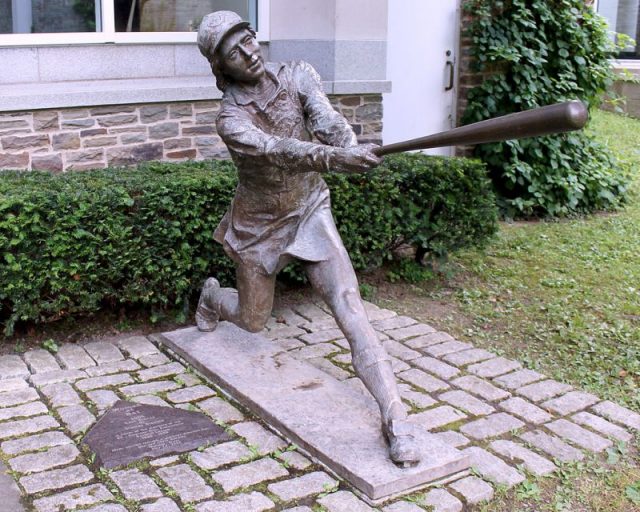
(327, 419)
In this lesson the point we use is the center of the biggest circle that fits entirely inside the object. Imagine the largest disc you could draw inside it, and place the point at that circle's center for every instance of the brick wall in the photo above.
(121, 135)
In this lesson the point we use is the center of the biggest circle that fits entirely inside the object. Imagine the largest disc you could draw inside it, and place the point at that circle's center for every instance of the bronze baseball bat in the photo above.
(559, 118)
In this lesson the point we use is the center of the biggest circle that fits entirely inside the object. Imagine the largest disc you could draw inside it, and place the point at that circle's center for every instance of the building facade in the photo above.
(90, 84)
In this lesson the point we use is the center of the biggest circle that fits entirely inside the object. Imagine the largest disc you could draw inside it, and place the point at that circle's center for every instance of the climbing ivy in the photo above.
(535, 53)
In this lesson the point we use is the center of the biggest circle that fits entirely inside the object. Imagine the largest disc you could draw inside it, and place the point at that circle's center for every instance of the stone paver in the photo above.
(259, 437)
(402, 506)
(160, 372)
(543, 390)
(295, 460)
(343, 501)
(446, 348)
(493, 468)
(9, 492)
(35, 443)
(474, 355)
(41, 461)
(220, 410)
(220, 455)
(466, 402)
(494, 367)
(573, 401)
(103, 352)
(20, 396)
(480, 387)
(56, 479)
(61, 394)
(434, 338)
(438, 417)
(603, 426)
(150, 400)
(249, 474)
(12, 384)
(69, 500)
(188, 484)
(423, 380)
(29, 426)
(395, 322)
(137, 346)
(411, 331)
(43, 379)
(190, 394)
(303, 486)
(149, 388)
(40, 361)
(553, 446)
(152, 360)
(473, 489)
(126, 365)
(436, 367)
(23, 411)
(105, 381)
(525, 410)
(77, 418)
(252, 502)
(453, 438)
(135, 485)
(396, 349)
(517, 453)
(103, 398)
(420, 400)
(491, 426)
(311, 351)
(518, 379)
(579, 436)
(618, 414)
(442, 501)
(161, 505)
(12, 366)
(74, 357)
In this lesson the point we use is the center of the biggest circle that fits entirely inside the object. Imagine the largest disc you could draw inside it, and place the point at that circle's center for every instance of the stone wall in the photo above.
(122, 135)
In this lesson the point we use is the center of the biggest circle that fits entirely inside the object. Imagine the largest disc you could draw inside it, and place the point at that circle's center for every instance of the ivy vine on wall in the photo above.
(535, 53)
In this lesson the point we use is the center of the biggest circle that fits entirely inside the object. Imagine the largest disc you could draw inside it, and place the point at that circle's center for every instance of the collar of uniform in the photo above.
(241, 97)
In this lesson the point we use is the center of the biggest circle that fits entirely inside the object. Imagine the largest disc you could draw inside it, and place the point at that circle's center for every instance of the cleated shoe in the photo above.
(403, 445)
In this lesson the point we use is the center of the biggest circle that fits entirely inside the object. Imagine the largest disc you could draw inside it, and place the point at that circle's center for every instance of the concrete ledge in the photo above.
(18, 97)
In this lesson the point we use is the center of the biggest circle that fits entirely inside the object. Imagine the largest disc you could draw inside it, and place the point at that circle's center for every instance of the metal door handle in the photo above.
(449, 64)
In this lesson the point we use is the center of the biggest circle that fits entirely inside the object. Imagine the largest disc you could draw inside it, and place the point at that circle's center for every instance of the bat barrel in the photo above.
(559, 118)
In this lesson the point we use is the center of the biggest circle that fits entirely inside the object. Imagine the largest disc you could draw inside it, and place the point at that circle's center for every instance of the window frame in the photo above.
(108, 34)
(622, 56)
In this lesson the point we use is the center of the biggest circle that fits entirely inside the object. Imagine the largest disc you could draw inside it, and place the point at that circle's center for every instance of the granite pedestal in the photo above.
(322, 415)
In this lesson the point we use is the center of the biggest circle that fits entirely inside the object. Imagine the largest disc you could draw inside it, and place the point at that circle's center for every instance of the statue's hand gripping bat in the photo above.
(559, 118)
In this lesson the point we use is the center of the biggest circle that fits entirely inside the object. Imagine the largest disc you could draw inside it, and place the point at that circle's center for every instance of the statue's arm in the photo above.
(245, 139)
(328, 125)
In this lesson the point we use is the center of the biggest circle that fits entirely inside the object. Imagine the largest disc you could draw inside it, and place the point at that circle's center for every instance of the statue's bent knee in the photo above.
(350, 298)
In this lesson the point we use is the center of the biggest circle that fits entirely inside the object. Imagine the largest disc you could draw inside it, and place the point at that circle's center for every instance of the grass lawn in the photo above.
(563, 298)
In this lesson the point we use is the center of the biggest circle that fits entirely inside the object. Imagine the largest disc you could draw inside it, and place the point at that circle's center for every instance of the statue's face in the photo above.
(241, 57)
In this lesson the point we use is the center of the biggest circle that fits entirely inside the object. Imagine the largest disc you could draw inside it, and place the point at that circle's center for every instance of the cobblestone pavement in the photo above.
(508, 419)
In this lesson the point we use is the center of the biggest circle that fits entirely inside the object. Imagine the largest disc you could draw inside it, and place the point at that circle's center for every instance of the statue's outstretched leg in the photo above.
(249, 307)
(336, 281)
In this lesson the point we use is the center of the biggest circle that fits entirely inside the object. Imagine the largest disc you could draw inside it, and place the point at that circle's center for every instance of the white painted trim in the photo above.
(109, 35)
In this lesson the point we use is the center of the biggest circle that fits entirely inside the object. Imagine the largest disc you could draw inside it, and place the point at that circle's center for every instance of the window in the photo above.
(623, 17)
(33, 22)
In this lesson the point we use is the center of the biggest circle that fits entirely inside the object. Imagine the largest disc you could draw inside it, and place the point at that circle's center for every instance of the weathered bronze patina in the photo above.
(281, 209)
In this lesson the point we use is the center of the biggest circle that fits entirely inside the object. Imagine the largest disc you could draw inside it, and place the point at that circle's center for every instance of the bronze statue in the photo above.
(281, 209)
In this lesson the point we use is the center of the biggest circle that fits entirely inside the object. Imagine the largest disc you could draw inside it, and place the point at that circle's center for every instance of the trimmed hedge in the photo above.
(73, 243)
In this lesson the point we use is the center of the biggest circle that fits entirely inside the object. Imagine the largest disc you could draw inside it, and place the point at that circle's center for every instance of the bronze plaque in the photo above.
(129, 432)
